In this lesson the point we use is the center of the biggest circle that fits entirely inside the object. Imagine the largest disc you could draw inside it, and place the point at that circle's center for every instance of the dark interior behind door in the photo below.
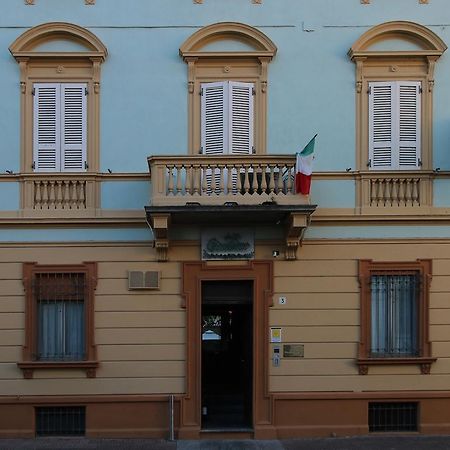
(227, 354)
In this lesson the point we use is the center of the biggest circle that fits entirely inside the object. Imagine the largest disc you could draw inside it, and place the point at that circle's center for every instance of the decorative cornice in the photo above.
(24, 45)
(430, 42)
(259, 41)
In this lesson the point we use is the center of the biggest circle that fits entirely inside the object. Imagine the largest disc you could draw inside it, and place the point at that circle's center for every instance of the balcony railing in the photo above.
(47, 193)
(215, 180)
(400, 190)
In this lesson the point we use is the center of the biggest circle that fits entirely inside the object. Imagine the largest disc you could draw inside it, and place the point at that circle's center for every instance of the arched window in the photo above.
(395, 64)
(227, 84)
(60, 85)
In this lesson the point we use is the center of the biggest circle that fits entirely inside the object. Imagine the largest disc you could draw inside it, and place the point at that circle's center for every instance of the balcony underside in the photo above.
(294, 218)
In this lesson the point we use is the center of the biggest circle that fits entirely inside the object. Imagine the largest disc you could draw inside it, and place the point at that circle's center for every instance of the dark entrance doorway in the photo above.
(227, 354)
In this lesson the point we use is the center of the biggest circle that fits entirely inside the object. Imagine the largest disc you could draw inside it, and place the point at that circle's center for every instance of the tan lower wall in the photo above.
(107, 416)
(294, 415)
(346, 414)
(141, 335)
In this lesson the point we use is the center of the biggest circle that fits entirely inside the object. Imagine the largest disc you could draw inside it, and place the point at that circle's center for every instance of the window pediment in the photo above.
(249, 40)
(374, 42)
(41, 41)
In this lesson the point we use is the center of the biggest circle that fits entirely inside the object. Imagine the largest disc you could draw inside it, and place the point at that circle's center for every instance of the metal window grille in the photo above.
(61, 421)
(394, 315)
(393, 416)
(60, 299)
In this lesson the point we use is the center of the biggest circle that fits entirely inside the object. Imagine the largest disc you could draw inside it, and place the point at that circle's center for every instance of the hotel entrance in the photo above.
(227, 355)
(227, 307)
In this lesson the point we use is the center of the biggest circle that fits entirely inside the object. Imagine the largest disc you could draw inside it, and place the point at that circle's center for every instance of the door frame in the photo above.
(261, 273)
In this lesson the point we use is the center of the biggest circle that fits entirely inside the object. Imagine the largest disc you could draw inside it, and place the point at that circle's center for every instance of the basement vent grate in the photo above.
(393, 416)
(61, 421)
(138, 279)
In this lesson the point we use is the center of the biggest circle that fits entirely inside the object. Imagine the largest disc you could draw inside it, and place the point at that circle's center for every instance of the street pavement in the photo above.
(373, 442)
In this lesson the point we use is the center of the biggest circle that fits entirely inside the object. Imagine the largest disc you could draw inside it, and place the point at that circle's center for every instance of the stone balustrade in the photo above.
(45, 193)
(401, 190)
(215, 180)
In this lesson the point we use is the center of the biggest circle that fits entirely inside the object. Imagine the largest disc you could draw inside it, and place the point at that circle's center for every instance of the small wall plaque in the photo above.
(275, 334)
(293, 351)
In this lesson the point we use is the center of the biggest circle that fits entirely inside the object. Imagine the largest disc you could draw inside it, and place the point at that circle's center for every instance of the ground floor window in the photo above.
(393, 416)
(59, 317)
(61, 421)
(394, 313)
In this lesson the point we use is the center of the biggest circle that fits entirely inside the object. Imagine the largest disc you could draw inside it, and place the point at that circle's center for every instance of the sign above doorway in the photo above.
(227, 244)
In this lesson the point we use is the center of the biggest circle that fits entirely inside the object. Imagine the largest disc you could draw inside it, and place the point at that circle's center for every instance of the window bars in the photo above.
(61, 421)
(60, 299)
(393, 416)
(394, 315)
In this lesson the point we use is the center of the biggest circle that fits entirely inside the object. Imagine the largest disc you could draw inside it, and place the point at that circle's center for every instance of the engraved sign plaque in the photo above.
(227, 244)
(293, 351)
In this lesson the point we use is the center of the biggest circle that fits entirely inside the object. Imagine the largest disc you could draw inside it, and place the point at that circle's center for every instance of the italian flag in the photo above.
(303, 168)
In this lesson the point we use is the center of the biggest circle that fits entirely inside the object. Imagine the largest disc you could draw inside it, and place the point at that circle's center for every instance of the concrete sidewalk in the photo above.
(411, 442)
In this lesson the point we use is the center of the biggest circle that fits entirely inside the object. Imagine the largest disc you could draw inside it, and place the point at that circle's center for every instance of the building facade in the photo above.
(152, 242)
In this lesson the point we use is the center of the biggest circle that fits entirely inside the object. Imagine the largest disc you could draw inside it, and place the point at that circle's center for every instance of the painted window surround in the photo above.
(29, 364)
(58, 67)
(410, 65)
(209, 66)
(421, 267)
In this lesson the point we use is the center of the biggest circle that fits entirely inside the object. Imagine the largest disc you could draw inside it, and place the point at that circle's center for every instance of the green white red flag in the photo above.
(303, 168)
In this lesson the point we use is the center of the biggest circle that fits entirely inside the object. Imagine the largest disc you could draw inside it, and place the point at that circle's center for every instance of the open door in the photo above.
(227, 354)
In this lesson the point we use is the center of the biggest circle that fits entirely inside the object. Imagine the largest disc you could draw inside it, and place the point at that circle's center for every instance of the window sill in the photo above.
(28, 367)
(423, 362)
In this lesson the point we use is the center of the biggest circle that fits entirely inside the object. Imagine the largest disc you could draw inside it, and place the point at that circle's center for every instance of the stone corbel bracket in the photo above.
(160, 227)
(297, 225)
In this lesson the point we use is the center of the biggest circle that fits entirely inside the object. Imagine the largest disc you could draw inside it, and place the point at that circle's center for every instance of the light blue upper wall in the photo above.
(144, 95)
(9, 104)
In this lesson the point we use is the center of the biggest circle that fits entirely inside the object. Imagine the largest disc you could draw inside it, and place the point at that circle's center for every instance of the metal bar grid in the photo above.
(395, 315)
(393, 416)
(61, 421)
(60, 316)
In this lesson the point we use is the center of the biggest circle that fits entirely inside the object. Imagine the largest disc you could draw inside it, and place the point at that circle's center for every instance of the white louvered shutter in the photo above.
(409, 124)
(394, 125)
(73, 127)
(46, 127)
(240, 118)
(214, 123)
(381, 125)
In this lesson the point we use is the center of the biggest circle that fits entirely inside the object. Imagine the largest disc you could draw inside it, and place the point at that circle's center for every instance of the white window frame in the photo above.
(60, 144)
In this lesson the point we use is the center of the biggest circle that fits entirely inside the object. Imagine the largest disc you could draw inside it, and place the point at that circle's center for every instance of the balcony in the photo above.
(218, 180)
(226, 191)
(55, 195)
(403, 192)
